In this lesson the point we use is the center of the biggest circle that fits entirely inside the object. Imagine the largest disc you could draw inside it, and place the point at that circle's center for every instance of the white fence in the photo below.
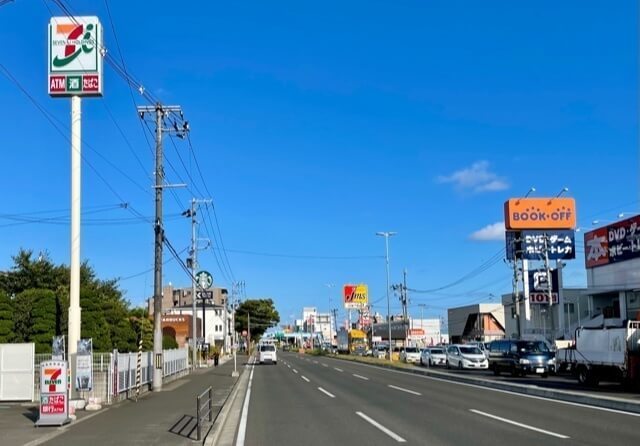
(114, 374)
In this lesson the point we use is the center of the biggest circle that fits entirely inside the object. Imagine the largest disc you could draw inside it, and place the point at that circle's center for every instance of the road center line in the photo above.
(295, 371)
(337, 369)
(373, 422)
(242, 430)
(315, 362)
(324, 365)
(404, 390)
(305, 378)
(515, 423)
(288, 366)
(361, 377)
(329, 394)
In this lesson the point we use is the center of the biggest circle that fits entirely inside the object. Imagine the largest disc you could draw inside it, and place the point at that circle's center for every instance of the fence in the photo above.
(114, 374)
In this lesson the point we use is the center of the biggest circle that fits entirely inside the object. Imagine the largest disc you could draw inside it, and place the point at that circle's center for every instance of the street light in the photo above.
(386, 236)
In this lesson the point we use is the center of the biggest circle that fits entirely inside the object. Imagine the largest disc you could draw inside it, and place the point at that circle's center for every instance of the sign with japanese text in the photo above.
(539, 286)
(616, 242)
(75, 59)
(54, 406)
(540, 213)
(530, 245)
(356, 296)
(84, 365)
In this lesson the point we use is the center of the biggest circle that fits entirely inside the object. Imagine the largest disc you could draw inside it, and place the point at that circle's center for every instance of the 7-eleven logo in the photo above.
(53, 378)
(70, 40)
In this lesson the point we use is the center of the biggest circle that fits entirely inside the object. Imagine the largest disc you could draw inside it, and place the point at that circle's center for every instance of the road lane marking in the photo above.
(337, 369)
(489, 389)
(305, 378)
(295, 371)
(308, 360)
(329, 394)
(402, 389)
(315, 362)
(373, 422)
(324, 365)
(242, 430)
(361, 377)
(288, 366)
(515, 423)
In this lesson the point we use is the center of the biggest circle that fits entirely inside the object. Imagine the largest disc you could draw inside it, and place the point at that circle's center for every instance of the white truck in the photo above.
(605, 353)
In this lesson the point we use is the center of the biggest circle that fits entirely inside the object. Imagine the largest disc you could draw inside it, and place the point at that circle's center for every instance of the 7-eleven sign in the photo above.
(53, 377)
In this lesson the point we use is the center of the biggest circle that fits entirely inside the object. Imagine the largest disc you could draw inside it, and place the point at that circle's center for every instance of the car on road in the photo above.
(380, 351)
(433, 356)
(268, 354)
(483, 346)
(410, 355)
(520, 358)
(463, 356)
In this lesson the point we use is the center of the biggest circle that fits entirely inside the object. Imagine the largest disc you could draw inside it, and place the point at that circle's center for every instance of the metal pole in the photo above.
(73, 333)
(204, 325)
(549, 281)
(157, 277)
(386, 244)
(405, 309)
(194, 319)
(235, 339)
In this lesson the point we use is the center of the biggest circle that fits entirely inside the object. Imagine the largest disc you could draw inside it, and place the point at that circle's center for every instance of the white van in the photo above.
(268, 353)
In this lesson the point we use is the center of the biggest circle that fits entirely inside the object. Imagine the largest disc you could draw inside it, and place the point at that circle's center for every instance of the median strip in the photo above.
(404, 390)
(515, 423)
(305, 378)
(361, 377)
(329, 394)
(389, 432)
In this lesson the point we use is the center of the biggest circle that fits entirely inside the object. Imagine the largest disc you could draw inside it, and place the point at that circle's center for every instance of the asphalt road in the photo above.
(322, 401)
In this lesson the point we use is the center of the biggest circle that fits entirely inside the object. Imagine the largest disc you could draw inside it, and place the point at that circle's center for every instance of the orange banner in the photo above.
(540, 213)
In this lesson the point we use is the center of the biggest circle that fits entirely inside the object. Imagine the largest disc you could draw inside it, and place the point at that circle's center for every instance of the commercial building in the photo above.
(419, 332)
(179, 328)
(215, 332)
(478, 322)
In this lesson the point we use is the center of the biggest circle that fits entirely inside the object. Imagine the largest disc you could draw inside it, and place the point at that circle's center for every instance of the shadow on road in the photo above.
(32, 414)
(185, 427)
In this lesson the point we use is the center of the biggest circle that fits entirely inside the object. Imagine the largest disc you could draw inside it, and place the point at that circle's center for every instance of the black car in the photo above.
(521, 358)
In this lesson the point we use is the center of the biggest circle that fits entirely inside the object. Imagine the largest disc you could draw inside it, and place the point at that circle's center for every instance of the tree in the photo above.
(22, 317)
(169, 342)
(43, 315)
(94, 322)
(6, 318)
(263, 316)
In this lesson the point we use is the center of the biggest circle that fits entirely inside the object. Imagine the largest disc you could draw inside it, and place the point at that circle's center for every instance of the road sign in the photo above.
(204, 294)
(205, 279)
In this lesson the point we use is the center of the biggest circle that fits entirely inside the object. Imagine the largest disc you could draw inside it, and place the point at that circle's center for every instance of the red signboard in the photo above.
(416, 332)
(53, 403)
(613, 243)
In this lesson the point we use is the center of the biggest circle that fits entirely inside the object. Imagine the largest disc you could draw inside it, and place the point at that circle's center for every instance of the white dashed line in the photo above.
(404, 390)
(373, 422)
(324, 365)
(361, 377)
(305, 378)
(329, 394)
(337, 369)
(515, 423)
(315, 362)
(295, 371)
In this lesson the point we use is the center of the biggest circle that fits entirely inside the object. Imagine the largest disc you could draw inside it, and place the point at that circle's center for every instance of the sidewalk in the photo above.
(164, 418)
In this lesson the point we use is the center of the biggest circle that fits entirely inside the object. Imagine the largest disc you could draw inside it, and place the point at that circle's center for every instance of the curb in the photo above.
(555, 394)
(213, 436)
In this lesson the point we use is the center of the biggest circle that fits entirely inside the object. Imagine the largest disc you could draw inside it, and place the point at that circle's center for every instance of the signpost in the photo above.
(205, 279)
(356, 296)
(74, 65)
(54, 398)
(84, 365)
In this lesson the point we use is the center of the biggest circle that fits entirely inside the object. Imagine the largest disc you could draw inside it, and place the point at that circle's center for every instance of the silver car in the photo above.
(433, 356)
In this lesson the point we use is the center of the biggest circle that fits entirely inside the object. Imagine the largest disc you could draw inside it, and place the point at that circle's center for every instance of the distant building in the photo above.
(179, 327)
(478, 322)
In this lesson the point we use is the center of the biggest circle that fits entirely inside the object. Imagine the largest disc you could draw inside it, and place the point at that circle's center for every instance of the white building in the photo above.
(214, 324)
(324, 326)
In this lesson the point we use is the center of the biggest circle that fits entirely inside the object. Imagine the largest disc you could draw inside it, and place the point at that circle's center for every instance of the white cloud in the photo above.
(492, 232)
(477, 177)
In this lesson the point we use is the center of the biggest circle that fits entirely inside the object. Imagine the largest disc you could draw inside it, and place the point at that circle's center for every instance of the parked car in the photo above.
(268, 354)
(410, 355)
(482, 346)
(433, 356)
(380, 351)
(521, 357)
(464, 356)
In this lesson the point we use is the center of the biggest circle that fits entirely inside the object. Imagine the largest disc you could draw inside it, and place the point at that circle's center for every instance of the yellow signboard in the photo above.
(356, 296)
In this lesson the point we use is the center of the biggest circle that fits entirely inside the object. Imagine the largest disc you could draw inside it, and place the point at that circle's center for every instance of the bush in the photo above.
(169, 342)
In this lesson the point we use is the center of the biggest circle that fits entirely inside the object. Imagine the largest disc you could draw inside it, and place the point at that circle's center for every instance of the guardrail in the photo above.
(200, 409)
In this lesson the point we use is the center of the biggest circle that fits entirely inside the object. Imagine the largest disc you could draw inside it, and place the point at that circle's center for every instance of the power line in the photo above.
(301, 256)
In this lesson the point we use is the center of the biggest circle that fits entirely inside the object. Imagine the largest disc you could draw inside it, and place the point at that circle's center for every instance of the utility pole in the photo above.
(160, 113)
(516, 297)
(249, 334)
(405, 310)
(549, 282)
(424, 333)
(234, 297)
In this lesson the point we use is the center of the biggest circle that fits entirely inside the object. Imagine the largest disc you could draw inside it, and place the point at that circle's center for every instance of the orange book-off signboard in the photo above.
(540, 213)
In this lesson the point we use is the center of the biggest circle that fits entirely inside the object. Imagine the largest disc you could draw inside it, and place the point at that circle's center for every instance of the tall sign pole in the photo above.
(194, 266)
(75, 53)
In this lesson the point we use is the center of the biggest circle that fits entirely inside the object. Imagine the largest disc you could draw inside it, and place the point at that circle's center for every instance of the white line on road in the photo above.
(305, 378)
(324, 365)
(315, 362)
(288, 366)
(295, 371)
(361, 377)
(515, 423)
(373, 422)
(337, 369)
(308, 360)
(404, 390)
(242, 430)
(329, 394)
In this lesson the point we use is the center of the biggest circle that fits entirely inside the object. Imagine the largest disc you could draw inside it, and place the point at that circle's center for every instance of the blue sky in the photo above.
(318, 125)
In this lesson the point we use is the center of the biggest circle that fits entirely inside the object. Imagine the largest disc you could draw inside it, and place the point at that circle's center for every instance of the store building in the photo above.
(478, 322)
